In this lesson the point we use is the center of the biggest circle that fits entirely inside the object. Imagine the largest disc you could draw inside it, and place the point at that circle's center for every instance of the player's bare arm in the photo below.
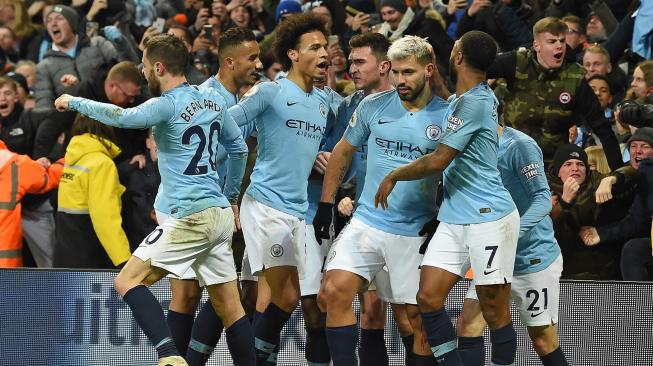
(434, 162)
(337, 169)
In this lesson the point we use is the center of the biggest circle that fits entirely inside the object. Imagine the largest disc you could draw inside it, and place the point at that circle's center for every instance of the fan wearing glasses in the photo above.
(575, 36)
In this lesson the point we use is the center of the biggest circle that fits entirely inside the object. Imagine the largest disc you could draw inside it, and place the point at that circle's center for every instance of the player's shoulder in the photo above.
(266, 89)
(519, 143)
(377, 100)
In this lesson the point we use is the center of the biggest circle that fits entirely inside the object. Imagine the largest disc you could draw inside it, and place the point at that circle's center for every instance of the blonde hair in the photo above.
(414, 46)
(23, 26)
(596, 157)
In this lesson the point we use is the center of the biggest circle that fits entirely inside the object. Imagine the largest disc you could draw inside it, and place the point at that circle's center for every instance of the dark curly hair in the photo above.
(290, 31)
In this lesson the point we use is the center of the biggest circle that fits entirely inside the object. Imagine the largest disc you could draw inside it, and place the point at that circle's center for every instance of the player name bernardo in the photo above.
(402, 149)
(196, 105)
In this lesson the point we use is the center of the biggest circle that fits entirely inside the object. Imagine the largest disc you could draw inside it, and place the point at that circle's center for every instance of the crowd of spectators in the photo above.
(579, 83)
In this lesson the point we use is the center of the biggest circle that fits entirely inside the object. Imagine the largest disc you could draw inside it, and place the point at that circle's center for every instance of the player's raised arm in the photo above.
(148, 114)
(232, 140)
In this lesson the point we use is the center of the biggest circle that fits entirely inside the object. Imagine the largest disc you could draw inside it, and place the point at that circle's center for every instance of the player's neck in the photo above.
(227, 82)
(468, 79)
(303, 81)
(420, 102)
(172, 82)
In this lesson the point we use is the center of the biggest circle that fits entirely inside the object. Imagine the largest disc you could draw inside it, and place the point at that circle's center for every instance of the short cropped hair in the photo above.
(169, 50)
(551, 25)
(414, 46)
(576, 20)
(232, 38)
(479, 49)
(597, 48)
(290, 31)
(126, 71)
(377, 42)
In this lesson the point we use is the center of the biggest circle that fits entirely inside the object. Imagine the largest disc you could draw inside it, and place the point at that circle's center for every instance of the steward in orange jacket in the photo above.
(19, 175)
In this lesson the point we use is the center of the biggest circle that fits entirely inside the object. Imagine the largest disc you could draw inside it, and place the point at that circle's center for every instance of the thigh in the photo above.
(315, 262)
(175, 244)
(357, 251)
(492, 248)
(216, 265)
(403, 262)
(447, 250)
(537, 295)
(272, 237)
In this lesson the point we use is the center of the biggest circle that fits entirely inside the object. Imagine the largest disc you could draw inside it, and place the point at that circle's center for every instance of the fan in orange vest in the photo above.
(19, 175)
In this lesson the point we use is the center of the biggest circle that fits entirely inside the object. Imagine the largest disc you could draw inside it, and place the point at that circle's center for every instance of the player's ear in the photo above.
(293, 55)
(159, 68)
(430, 68)
(384, 67)
(229, 62)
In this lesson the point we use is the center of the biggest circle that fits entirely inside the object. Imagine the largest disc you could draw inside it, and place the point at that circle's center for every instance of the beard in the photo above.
(414, 92)
(153, 84)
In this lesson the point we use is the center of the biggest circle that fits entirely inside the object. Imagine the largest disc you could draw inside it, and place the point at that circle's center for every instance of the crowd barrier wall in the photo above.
(73, 318)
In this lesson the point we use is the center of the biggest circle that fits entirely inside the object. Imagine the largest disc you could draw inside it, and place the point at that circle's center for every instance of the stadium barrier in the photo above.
(75, 318)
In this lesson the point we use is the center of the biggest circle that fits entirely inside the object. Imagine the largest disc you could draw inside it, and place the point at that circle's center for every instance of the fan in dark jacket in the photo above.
(636, 258)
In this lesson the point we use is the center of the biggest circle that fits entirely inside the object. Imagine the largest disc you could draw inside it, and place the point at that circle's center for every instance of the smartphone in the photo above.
(208, 31)
(159, 23)
(333, 39)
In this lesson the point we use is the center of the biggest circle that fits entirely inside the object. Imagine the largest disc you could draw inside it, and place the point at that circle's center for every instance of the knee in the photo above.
(469, 327)
(121, 285)
(544, 343)
(334, 295)
(428, 300)
(185, 301)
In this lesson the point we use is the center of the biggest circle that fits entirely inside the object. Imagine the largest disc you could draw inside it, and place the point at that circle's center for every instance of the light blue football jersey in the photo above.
(314, 188)
(187, 123)
(246, 130)
(396, 137)
(473, 191)
(358, 167)
(291, 124)
(522, 171)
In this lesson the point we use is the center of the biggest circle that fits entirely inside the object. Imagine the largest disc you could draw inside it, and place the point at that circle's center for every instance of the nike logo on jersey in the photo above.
(291, 103)
(535, 315)
(488, 272)
(383, 122)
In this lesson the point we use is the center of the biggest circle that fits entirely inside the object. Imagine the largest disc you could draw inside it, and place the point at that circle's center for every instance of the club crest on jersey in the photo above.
(454, 123)
(352, 121)
(276, 250)
(564, 97)
(323, 110)
(433, 132)
(531, 170)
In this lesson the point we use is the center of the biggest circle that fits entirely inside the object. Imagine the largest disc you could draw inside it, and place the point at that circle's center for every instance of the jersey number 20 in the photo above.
(193, 168)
